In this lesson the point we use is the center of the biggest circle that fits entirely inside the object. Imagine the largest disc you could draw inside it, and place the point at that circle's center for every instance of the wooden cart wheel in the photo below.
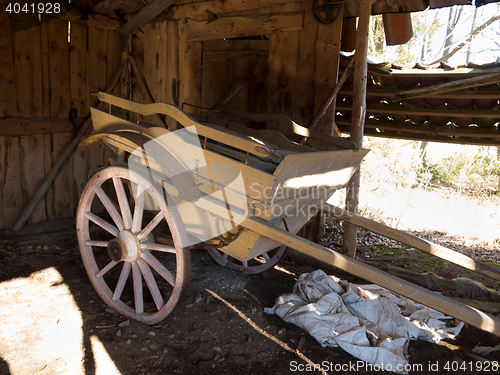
(123, 255)
(256, 265)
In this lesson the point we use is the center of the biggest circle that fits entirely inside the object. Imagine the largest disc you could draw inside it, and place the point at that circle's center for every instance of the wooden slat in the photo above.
(161, 73)
(7, 73)
(60, 91)
(78, 69)
(283, 67)
(97, 59)
(32, 151)
(107, 6)
(173, 84)
(462, 312)
(22, 126)
(150, 60)
(113, 60)
(63, 184)
(237, 27)
(257, 86)
(80, 174)
(304, 93)
(389, 92)
(189, 70)
(208, 55)
(28, 72)
(395, 109)
(418, 243)
(12, 190)
(214, 75)
(192, 10)
(235, 69)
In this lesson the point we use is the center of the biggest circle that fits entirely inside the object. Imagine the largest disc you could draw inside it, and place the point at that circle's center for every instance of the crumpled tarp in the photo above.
(368, 321)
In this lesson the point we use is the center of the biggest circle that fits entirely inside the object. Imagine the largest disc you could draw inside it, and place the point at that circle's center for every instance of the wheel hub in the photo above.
(125, 247)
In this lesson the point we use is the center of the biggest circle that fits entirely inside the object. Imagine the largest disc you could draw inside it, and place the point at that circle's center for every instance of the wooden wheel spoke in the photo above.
(123, 202)
(138, 297)
(151, 225)
(106, 269)
(110, 207)
(96, 243)
(102, 223)
(158, 247)
(121, 281)
(138, 210)
(151, 283)
(158, 267)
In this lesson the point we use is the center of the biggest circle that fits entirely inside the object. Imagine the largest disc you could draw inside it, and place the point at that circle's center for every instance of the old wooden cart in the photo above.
(240, 193)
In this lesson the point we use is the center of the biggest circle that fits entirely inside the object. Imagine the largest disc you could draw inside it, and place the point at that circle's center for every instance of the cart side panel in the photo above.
(301, 172)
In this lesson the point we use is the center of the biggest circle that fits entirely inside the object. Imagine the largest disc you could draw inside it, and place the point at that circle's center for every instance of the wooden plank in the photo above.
(96, 21)
(49, 160)
(327, 66)
(304, 93)
(113, 60)
(202, 8)
(7, 73)
(3, 163)
(418, 243)
(236, 68)
(45, 50)
(145, 15)
(214, 74)
(396, 109)
(360, 77)
(97, 59)
(161, 73)
(80, 173)
(60, 98)
(22, 126)
(208, 54)
(78, 69)
(32, 161)
(150, 66)
(12, 189)
(28, 72)
(63, 183)
(257, 86)
(446, 87)
(190, 54)
(447, 306)
(237, 27)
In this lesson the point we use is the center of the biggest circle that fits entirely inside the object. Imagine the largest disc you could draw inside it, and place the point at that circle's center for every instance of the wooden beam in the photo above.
(446, 305)
(242, 81)
(51, 176)
(242, 26)
(358, 119)
(107, 6)
(23, 126)
(397, 109)
(203, 8)
(449, 86)
(145, 15)
(389, 92)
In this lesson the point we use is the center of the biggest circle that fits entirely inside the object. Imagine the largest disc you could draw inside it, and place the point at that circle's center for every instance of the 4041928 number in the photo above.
(33, 8)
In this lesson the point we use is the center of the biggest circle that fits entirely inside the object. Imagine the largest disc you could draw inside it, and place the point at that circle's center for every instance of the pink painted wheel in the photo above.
(252, 266)
(115, 220)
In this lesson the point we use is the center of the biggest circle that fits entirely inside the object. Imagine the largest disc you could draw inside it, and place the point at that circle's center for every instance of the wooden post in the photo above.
(358, 120)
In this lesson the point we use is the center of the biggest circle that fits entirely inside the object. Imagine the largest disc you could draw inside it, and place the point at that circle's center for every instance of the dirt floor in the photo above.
(53, 322)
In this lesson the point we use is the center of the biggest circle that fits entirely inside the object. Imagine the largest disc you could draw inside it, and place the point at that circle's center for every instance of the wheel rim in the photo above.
(121, 254)
(253, 266)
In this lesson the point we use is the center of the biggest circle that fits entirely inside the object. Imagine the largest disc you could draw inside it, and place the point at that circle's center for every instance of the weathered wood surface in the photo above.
(449, 86)
(242, 26)
(358, 120)
(107, 6)
(145, 15)
(7, 79)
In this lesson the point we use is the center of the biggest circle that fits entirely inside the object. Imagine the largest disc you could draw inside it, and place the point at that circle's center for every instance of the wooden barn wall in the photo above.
(301, 71)
(44, 76)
